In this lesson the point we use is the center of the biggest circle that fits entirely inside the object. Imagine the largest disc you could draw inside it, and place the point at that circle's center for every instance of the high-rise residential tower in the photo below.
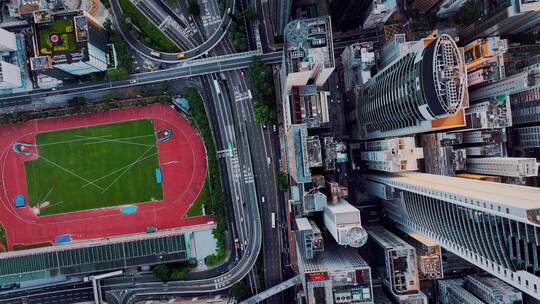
(425, 84)
(491, 225)
(280, 12)
(400, 273)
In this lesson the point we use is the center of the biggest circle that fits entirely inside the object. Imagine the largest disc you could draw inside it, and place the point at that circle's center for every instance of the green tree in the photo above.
(250, 12)
(261, 78)
(180, 274)
(264, 114)
(164, 97)
(194, 8)
(162, 272)
(76, 102)
(282, 182)
(117, 74)
(239, 290)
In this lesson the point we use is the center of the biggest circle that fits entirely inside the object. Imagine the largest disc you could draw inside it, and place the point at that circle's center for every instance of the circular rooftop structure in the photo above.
(296, 31)
(443, 76)
(357, 237)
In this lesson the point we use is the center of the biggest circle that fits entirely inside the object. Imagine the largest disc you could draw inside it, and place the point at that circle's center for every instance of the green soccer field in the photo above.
(94, 167)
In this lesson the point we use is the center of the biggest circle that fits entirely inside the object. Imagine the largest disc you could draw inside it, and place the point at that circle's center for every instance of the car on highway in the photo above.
(133, 81)
(10, 286)
(274, 128)
(155, 54)
(262, 199)
(181, 56)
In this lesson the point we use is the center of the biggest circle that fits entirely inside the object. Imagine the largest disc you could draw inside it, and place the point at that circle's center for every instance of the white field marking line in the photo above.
(83, 139)
(45, 198)
(68, 171)
(68, 141)
(102, 140)
(122, 138)
(145, 158)
(127, 169)
(47, 194)
(60, 202)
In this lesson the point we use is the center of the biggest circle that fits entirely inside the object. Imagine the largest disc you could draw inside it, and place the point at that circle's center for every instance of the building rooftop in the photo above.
(334, 258)
(308, 105)
(64, 37)
(519, 201)
(302, 223)
(308, 41)
(314, 151)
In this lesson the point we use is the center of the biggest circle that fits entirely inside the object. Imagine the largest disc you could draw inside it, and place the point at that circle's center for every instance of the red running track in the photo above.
(182, 162)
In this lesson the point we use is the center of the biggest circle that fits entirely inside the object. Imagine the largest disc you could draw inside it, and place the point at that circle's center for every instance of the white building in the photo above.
(428, 255)
(343, 221)
(489, 114)
(357, 60)
(528, 137)
(509, 17)
(10, 76)
(503, 166)
(336, 275)
(452, 291)
(449, 7)
(309, 52)
(390, 105)
(308, 237)
(460, 214)
(516, 83)
(307, 105)
(8, 41)
(86, 49)
(308, 58)
(379, 12)
(526, 112)
(492, 290)
(401, 271)
(392, 155)
(394, 48)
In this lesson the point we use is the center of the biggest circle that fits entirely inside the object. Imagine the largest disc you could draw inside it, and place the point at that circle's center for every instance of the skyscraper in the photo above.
(424, 84)
(7, 41)
(83, 48)
(336, 275)
(280, 12)
(493, 226)
(347, 15)
(492, 290)
(343, 221)
(308, 58)
(528, 137)
(400, 273)
(513, 84)
(10, 75)
(379, 12)
(505, 18)
(503, 166)
(392, 155)
(452, 291)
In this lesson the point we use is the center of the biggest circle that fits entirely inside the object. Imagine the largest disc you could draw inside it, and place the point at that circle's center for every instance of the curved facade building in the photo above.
(494, 226)
(426, 83)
